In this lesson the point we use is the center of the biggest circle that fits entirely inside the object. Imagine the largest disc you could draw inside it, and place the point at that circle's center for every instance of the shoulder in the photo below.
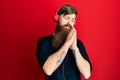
(80, 43)
(45, 38)
(42, 41)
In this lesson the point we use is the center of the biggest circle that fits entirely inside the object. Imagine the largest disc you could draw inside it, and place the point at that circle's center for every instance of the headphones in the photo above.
(56, 16)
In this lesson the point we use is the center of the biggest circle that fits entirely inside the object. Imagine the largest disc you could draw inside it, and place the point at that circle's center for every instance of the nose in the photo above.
(71, 23)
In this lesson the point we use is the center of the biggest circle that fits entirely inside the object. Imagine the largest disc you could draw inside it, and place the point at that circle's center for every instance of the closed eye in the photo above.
(68, 18)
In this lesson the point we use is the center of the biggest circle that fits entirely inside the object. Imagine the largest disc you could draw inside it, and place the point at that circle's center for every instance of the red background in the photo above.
(23, 22)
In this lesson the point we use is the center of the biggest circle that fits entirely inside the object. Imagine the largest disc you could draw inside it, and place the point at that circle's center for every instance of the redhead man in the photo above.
(61, 55)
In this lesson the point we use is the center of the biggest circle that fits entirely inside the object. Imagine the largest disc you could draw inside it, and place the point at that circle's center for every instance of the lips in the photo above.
(67, 28)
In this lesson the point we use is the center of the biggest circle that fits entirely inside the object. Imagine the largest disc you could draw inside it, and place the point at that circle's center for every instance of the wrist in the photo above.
(75, 47)
(74, 51)
(66, 45)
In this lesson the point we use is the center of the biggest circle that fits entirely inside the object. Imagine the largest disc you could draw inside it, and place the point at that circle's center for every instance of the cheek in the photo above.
(63, 22)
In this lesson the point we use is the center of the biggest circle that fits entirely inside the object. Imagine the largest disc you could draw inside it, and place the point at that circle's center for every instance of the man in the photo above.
(61, 55)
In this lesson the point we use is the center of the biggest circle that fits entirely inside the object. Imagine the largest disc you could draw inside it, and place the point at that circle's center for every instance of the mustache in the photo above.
(67, 25)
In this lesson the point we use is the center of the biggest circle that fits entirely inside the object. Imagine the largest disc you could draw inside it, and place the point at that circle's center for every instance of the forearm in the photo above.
(82, 64)
(54, 60)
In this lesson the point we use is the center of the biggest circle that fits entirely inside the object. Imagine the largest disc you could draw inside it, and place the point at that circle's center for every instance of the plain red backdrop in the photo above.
(23, 22)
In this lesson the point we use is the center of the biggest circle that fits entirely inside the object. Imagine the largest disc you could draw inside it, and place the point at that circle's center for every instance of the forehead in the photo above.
(70, 15)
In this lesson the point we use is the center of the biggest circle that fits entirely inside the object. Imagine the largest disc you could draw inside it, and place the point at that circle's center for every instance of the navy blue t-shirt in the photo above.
(68, 69)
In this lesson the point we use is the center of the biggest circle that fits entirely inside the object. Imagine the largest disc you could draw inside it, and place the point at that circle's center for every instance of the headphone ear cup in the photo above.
(55, 17)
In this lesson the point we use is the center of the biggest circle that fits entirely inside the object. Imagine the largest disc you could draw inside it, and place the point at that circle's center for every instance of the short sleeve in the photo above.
(42, 51)
(83, 52)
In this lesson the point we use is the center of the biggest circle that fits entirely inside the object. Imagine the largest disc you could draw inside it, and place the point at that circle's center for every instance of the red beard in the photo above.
(61, 34)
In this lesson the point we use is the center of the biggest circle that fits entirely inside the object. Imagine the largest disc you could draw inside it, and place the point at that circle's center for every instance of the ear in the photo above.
(55, 17)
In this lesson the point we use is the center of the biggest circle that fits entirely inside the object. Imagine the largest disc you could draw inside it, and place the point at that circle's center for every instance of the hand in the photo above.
(70, 38)
(74, 44)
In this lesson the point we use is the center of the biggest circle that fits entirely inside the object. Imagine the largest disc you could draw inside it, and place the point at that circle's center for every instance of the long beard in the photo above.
(61, 34)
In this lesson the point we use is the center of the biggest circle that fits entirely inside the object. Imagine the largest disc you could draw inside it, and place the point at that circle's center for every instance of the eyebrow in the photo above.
(69, 17)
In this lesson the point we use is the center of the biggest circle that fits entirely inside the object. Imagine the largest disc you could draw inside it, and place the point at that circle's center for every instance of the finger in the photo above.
(70, 34)
(73, 32)
(73, 27)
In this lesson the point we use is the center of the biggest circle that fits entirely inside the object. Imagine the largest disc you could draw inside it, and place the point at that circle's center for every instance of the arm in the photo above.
(54, 60)
(82, 64)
